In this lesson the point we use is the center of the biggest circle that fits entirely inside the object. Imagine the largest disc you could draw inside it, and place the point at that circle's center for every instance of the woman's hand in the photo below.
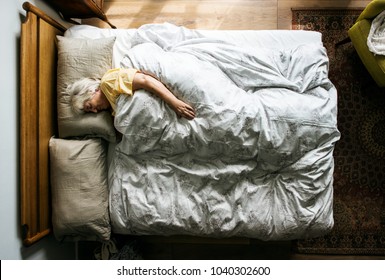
(182, 109)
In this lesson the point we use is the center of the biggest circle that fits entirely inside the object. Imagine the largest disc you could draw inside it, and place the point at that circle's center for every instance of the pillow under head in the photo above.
(81, 58)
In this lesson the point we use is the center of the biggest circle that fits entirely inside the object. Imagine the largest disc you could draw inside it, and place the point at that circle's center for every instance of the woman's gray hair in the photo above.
(81, 91)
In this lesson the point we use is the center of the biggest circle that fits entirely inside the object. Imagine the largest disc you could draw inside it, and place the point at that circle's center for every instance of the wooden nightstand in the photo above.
(71, 9)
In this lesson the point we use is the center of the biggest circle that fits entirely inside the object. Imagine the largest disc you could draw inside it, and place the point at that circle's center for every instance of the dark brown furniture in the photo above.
(79, 9)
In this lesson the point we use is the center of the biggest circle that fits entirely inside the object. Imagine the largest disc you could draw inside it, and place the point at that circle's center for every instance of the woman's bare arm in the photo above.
(151, 84)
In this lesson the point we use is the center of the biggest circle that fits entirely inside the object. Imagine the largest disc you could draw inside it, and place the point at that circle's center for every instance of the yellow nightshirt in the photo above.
(115, 82)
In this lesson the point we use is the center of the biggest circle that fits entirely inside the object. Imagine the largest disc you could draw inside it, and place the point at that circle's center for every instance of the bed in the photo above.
(256, 162)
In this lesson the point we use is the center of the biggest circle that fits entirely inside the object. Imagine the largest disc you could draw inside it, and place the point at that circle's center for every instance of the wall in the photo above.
(11, 247)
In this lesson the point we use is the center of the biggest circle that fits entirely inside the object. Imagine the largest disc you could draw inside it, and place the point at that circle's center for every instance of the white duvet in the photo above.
(257, 161)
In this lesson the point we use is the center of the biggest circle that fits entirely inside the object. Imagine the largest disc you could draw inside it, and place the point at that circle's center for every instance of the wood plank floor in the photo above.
(212, 14)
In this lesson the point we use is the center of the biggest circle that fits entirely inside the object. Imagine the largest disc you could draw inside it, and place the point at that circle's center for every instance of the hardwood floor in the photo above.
(212, 14)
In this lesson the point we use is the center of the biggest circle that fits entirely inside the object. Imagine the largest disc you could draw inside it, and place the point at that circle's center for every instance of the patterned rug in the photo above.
(359, 179)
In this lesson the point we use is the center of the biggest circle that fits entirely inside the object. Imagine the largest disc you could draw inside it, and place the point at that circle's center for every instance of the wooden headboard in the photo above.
(37, 119)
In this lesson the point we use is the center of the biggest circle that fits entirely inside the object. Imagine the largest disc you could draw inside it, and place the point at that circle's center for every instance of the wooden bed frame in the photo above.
(37, 119)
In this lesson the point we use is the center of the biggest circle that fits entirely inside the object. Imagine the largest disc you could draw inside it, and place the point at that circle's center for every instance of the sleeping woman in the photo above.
(94, 95)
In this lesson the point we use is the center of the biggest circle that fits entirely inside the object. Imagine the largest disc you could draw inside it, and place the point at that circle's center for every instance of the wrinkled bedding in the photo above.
(257, 161)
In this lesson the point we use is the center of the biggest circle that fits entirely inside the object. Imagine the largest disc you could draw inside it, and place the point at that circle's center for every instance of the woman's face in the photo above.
(97, 103)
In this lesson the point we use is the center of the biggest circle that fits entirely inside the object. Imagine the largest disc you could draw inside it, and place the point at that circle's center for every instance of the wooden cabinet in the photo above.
(79, 9)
